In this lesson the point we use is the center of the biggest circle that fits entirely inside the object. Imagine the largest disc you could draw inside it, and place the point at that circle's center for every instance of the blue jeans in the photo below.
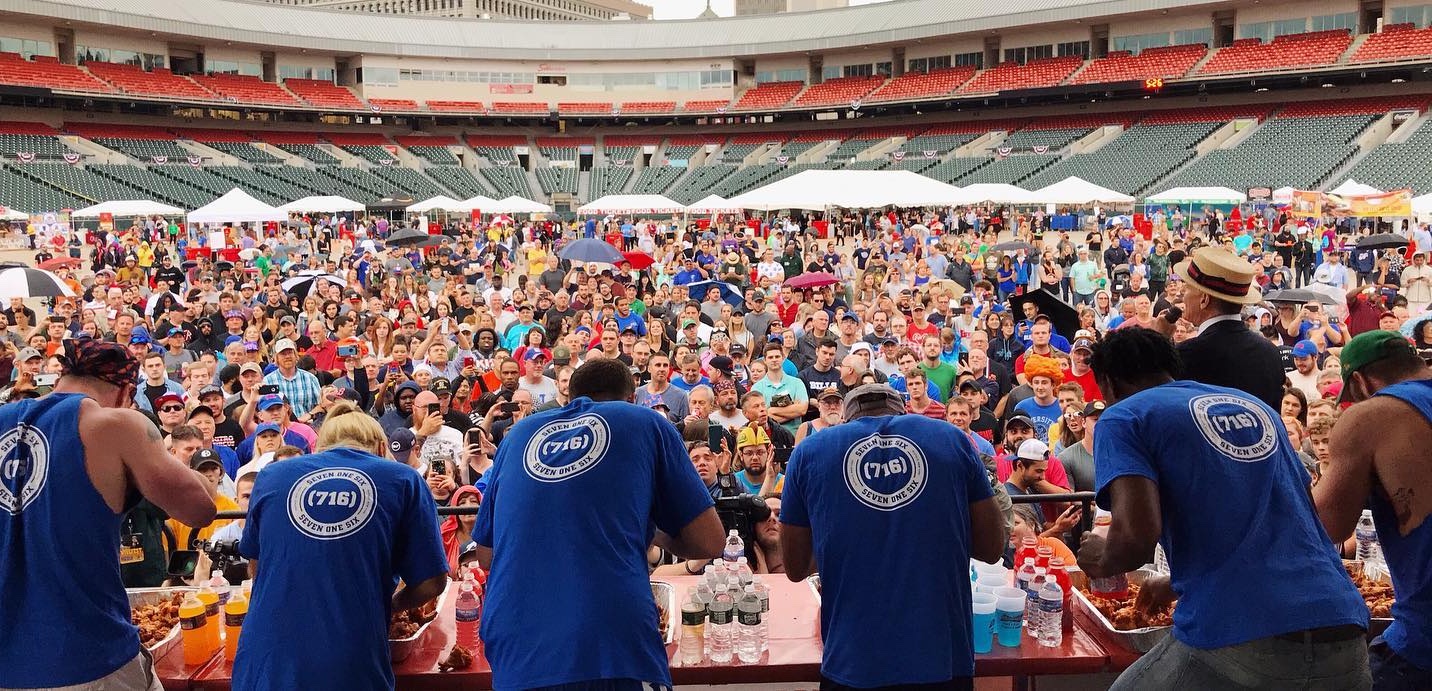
(1392, 672)
(1267, 663)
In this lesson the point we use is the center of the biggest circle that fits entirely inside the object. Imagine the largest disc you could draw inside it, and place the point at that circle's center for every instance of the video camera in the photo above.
(742, 513)
(223, 554)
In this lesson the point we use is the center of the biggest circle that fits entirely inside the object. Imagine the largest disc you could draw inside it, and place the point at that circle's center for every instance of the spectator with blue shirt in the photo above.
(589, 486)
(1209, 473)
(890, 525)
(348, 515)
(300, 388)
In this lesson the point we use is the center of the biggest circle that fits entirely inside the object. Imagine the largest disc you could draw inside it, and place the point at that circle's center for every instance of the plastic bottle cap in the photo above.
(1367, 513)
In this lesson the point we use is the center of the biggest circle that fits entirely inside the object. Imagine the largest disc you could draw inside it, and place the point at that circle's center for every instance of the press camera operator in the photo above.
(750, 516)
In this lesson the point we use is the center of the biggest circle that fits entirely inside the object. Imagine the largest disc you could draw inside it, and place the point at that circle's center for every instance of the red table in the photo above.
(793, 654)
(173, 674)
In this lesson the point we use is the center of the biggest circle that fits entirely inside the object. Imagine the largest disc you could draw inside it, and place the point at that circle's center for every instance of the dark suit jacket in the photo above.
(1232, 355)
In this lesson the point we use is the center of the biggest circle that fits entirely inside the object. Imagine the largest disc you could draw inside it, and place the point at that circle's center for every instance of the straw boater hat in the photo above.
(1222, 274)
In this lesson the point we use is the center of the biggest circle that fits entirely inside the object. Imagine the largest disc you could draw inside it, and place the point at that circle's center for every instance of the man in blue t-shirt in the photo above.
(1043, 407)
(328, 535)
(890, 508)
(1208, 473)
(1380, 450)
(588, 486)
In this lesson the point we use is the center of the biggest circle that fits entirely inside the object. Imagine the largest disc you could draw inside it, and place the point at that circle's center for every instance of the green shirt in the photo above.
(942, 376)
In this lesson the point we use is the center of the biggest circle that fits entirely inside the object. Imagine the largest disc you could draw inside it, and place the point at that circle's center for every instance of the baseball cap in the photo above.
(1094, 408)
(250, 367)
(284, 344)
(440, 386)
(850, 316)
(1366, 348)
(688, 322)
(134, 338)
(536, 354)
(751, 436)
(173, 331)
(1386, 313)
(1033, 450)
(721, 362)
(234, 314)
(738, 349)
(212, 388)
(1082, 344)
(232, 339)
(561, 355)
(400, 444)
(31, 354)
(832, 392)
(889, 340)
(1306, 348)
(287, 319)
(872, 399)
(1020, 418)
(200, 410)
(269, 401)
(168, 397)
(205, 457)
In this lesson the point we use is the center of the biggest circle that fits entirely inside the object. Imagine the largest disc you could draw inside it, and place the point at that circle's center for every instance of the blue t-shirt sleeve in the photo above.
(793, 504)
(419, 554)
(681, 495)
(249, 540)
(482, 528)
(1119, 451)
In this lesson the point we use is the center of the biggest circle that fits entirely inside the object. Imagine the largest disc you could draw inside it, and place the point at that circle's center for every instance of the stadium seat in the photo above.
(626, 148)
(239, 88)
(1008, 76)
(584, 108)
(302, 144)
(324, 94)
(1285, 52)
(520, 108)
(1395, 43)
(768, 96)
(508, 181)
(1119, 66)
(645, 107)
(496, 148)
(563, 148)
(1395, 165)
(396, 105)
(29, 194)
(431, 149)
(608, 180)
(683, 147)
(656, 179)
(709, 106)
(838, 92)
(473, 107)
(699, 182)
(161, 82)
(30, 138)
(460, 181)
(45, 72)
(914, 85)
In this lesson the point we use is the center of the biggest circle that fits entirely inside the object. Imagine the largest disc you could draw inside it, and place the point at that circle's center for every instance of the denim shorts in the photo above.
(1266, 663)
(1392, 672)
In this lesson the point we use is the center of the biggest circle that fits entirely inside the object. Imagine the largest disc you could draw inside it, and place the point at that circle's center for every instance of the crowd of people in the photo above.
(760, 349)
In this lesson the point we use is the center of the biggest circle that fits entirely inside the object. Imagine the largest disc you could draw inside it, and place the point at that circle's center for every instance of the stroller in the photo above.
(1119, 279)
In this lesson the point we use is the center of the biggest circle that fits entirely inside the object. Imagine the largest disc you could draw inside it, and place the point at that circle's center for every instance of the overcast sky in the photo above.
(686, 9)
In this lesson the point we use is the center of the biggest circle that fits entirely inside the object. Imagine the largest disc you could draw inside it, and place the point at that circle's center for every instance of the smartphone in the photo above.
(46, 379)
(435, 408)
(508, 407)
(268, 389)
(469, 361)
(714, 435)
(182, 563)
(348, 351)
(474, 436)
(439, 466)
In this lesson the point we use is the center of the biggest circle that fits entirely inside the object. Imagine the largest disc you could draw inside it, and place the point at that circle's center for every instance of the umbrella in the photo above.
(640, 261)
(412, 237)
(814, 279)
(1409, 326)
(1381, 241)
(24, 282)
(1012, 246)
(303, 282)
(248, 254)
(730, 294)
(1062, 314)
(590, 250)
(1300, 296)
(60, 263)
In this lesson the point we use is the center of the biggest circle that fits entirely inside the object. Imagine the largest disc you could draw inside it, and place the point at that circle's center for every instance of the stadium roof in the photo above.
(853, 28)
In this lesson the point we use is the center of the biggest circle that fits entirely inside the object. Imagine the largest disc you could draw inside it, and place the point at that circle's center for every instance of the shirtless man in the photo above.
(1378, 458)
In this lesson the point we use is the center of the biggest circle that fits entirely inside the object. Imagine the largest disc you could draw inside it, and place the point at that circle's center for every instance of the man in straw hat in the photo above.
(1379, 447)
(866, 484)
(1223, 352)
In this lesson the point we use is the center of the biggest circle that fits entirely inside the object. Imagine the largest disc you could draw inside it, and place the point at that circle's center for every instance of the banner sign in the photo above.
(1306, 204)
(1390, 203)
(1259, 195)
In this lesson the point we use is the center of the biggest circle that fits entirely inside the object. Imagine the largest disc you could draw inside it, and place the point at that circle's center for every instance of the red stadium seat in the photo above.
(47, 73)
(1166, 62)
(496, 140)
(839, 91)
(710, 106)
(394, 104)
(912, 85)
(357, 139)
(32, 128)
(520, 108)
(642, 107)
(287, 137)
(246, 89)
(1395, 43)
(207, 136)
(1034, 74)
(1195, 115)
(93, 130)
(456, 106)
(324, 94)
(1285, 52)
(584, 108)
(768, 96)
(425, 140)
(1355, 106)
(161, 82)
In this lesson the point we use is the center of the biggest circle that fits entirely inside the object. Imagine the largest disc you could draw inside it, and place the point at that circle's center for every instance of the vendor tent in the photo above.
(1197, 196)
(324, 204)
(991, 192)
(9, 214)
(441, 202)
(518, 205)
(1353, 187)
(236, 206)
(631, 204)
(713, 204)
(851, 189)
(480, 203)
(1422, 206)
(1072, 190)
(126, 209)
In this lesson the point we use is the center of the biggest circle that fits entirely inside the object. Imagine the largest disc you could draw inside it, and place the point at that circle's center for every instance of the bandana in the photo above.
(108, 362)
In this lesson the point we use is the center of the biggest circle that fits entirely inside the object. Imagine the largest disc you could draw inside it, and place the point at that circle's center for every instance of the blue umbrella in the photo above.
(730, 294)
(590, 250)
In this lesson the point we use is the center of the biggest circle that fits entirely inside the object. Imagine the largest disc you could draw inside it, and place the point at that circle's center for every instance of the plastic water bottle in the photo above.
(220, 586)
(763, 593)
(743, 571)
(735, 548)
(1024, 575)
(1369, 550)
(1114, 587)
(1051, 613)
(1033, 617)
(748, 629)
(693, 628)
(709, 576)
(718, 629)
(468, 614)
(705, 596)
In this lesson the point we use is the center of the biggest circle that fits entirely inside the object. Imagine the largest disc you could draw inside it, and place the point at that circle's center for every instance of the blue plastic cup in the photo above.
(983, 606)
(1009, 616)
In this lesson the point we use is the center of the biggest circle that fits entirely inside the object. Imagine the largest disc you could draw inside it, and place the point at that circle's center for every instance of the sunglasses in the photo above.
(171, 409)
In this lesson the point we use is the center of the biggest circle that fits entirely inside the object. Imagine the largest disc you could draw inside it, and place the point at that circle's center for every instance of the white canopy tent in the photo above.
(518, 205)
(713, 204)
(127, 208)
(480, 203)
(851, 189)
(441, 202)
(236, 206)
(992, 192)
(1197, 195)
(631, 204)
(9, 214)
(1422, 206)
(1072, 190)
(1353, 187)
(325, 204)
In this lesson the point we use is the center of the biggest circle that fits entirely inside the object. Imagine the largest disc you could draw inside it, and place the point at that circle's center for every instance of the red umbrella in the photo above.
(639, 260)
(60, 263)
(816, 279)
